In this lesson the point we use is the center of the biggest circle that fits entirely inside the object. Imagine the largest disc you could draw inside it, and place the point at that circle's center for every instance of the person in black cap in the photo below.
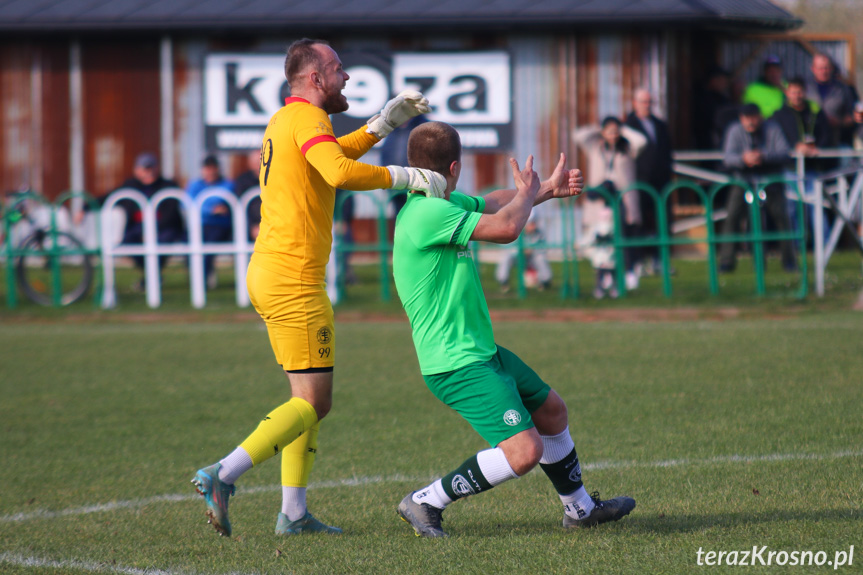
(754, 151)
(215, 214)
(768, 91)
(170, 226)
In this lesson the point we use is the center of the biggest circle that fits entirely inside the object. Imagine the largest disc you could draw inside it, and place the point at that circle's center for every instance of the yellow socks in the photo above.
(298, 458)
(281, 427)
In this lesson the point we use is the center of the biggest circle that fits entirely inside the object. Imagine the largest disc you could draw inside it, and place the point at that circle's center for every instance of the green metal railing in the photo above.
(383, 247)
(54, 251)
(569, 285)
(664, 241)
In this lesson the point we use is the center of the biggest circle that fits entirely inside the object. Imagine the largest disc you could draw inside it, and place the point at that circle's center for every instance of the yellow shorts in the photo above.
(299, 318)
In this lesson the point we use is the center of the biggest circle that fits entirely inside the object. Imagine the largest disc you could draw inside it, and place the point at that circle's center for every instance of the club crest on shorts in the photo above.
(512, 417)
(324, 335)
(461, 487)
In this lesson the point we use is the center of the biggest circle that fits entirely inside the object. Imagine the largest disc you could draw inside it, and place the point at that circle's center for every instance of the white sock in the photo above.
(578, 504)
(294, 502)
(235, 464)
(494, 466)
(432, 494)
(556, 447)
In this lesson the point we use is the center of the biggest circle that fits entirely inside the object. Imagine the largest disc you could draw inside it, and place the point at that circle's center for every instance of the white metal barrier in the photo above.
(194, 248)
(847, 201)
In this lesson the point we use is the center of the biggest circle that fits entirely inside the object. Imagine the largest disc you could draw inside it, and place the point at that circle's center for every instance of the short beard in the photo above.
(335, 103)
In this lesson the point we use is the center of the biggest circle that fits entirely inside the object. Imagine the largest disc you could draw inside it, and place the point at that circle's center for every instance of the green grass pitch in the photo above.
(729, 434)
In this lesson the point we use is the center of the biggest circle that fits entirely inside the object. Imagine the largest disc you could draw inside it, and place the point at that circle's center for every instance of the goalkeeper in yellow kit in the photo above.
(302, 163)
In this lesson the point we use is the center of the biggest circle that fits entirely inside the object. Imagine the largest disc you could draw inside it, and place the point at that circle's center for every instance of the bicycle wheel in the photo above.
(35, 268)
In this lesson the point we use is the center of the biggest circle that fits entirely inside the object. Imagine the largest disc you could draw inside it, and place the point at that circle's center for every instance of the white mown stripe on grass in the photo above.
(88, 566)
(377, 479)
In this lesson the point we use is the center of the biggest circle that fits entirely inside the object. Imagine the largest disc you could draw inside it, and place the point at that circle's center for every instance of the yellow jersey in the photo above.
(302, 164)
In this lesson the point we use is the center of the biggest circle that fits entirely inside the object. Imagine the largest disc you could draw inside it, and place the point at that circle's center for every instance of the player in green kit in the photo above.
(504, 400)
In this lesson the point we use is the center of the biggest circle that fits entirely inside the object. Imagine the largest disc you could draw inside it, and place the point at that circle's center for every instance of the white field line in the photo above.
(87, 566)
(376, 480)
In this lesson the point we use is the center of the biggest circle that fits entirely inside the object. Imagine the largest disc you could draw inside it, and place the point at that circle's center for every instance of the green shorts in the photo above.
(496, 397)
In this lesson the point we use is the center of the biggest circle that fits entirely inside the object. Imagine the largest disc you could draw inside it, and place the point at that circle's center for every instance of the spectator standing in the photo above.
(245, 182)
(754, 150)
(804, 125)
(858, 121)
(653, 164)
(768, 91)
(215, 213)
(170, 226)
(806, 130)
(834, 97)
(611, 151)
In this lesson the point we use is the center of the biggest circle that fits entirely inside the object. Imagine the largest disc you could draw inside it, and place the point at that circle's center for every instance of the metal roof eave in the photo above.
(391, 25)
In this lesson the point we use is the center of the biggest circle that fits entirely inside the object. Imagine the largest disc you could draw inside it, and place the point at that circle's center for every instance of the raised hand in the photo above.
(564, 183)
(526, 180)
(408, 104)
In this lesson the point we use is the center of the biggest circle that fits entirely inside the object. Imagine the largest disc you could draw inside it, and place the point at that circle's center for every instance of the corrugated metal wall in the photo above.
(559, 82)
(120, 108)
(34, 116)
(744, 57)
(564, 82)
(17, 112)
(54, 155)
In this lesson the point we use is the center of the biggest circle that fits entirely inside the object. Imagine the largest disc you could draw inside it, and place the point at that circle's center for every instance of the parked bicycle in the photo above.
(51, 267)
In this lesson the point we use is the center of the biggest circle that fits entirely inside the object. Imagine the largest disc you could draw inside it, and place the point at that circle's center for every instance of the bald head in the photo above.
(303, 55)
(642, 102)
(436, 146)
(822, 68)
(315, 73)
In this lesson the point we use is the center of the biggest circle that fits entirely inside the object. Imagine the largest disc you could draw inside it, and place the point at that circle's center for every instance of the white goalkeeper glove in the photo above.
(428, 181)
(399, 110)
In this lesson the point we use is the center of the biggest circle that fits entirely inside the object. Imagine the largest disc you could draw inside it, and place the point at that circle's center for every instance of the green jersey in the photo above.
(438, 282)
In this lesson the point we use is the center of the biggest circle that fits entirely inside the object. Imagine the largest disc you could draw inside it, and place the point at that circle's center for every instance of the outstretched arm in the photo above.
(505, 225)
(562, 183)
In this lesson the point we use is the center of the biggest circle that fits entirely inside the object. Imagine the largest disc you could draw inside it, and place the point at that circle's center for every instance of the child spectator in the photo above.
(537, 269)
(597, 246)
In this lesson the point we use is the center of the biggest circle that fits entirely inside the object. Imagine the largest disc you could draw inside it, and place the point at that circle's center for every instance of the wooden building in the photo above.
(86, 85)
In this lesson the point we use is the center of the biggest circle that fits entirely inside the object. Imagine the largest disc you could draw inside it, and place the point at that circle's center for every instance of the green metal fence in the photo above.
(664, 240)
(383, 247)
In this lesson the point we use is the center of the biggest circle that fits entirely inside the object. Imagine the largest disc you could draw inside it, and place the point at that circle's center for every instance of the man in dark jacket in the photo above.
(806, 129)
(170, 225)
(653, 165)
(803, 123)
(835, 97)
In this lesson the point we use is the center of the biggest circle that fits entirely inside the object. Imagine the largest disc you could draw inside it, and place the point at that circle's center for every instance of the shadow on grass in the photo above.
(691, 523)
(650, 524)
